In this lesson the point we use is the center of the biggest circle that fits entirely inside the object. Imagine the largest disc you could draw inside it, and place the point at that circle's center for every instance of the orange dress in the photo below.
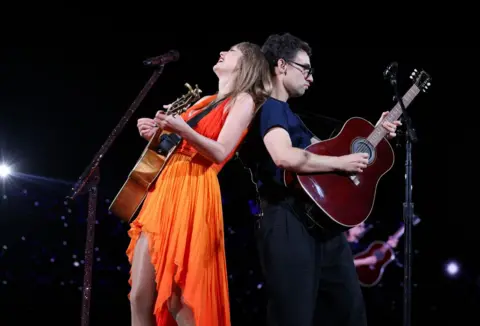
(183, 220)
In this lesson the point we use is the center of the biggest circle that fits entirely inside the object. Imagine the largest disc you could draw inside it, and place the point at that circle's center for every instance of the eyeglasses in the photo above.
(306, 69)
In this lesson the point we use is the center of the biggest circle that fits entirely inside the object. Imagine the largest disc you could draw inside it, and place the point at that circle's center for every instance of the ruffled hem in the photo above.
(160, 311)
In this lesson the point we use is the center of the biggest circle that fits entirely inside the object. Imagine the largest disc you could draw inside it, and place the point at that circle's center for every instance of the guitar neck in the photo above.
(379, 132)
(397, 235)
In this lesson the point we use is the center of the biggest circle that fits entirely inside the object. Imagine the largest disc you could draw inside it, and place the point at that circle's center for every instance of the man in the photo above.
(309, 273)
(354, 235)
(380, 300)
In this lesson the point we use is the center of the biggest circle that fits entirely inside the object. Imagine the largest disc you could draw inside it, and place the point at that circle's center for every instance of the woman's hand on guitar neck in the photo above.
(172, 123)
(147, 128)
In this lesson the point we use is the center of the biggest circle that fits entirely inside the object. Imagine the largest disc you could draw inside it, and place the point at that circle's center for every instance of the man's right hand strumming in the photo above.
(353, 162)
(147, 128)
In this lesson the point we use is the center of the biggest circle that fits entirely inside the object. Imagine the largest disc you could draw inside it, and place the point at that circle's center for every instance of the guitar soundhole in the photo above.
(379, 255)
(362, 145)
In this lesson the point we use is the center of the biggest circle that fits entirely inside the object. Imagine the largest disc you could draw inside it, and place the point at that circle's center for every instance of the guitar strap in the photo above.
(168, 141)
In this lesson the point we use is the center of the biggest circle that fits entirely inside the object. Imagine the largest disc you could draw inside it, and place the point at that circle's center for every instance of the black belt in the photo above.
(298, 206)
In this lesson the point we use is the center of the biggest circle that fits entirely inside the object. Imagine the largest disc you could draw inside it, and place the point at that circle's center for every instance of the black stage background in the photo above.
(61, 96)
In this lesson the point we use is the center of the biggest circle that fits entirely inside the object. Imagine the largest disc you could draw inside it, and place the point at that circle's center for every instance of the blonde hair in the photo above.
(253, 75)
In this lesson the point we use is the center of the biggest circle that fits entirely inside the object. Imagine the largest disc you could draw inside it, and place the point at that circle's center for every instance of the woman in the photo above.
(177, 252)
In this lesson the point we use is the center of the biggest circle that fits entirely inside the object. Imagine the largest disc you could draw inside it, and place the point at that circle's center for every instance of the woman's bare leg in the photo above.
(142, 295)
(182, 314)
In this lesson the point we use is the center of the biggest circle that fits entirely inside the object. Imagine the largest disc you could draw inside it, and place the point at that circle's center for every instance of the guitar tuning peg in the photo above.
(428, 84)
(415, 70)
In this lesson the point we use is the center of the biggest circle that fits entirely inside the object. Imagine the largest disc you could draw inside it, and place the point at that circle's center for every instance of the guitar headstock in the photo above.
(421, 79)
(183, 103)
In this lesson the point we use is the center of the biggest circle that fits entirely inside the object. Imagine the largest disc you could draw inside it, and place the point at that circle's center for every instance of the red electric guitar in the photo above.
(370, 275)
(341, 201)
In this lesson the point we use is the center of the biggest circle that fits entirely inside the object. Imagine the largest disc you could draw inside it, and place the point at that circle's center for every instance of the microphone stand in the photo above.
(88, 182)
(410, 137)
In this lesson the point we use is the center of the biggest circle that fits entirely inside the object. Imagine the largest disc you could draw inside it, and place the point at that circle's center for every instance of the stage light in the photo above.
(5, 170)
(452, 268)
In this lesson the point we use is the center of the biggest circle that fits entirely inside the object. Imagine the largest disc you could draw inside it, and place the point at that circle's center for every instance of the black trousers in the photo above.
(310, 276)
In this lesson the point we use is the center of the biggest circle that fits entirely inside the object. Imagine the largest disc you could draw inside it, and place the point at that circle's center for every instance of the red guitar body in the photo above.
(345, 200)
(341, 201)
(369, 276)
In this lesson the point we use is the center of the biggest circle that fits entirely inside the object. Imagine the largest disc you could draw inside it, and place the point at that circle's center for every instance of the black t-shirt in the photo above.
(274, 113)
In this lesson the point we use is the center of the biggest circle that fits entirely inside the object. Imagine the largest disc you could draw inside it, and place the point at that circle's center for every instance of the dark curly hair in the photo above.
(284, 46)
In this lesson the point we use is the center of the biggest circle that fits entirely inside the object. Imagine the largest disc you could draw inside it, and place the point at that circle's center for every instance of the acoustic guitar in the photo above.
(370, 275)
(127, 202)
(338, 200)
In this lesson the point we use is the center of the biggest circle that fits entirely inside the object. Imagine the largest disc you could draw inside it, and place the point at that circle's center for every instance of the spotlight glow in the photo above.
(452, 268)
(5, 170)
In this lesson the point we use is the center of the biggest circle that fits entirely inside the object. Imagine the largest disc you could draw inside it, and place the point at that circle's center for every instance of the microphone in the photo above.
(170, 56)
(391, 70)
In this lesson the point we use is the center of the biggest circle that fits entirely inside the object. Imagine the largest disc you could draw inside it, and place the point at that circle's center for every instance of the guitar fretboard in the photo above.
(379, 132)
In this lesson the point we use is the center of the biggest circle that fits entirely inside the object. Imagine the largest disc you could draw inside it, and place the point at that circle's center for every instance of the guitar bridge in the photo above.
(355, 180)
